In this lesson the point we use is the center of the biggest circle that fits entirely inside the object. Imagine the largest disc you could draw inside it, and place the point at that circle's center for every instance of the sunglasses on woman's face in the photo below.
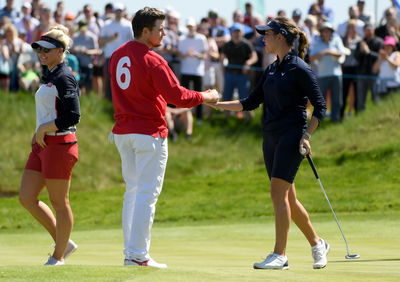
(41, 49)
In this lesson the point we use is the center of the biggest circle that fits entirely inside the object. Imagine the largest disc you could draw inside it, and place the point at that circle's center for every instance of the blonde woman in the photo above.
(54, 144)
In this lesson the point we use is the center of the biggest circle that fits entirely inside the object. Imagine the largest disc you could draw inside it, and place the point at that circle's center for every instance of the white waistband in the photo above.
(53, 133)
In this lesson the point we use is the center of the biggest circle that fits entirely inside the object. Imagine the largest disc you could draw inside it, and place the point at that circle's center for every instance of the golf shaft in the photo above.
(327, 199)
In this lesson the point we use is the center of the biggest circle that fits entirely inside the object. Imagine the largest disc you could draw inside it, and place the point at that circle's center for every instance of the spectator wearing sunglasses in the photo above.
(54, 144)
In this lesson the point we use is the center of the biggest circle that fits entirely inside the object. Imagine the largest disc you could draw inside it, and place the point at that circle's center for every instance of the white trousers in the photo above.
(144, 159)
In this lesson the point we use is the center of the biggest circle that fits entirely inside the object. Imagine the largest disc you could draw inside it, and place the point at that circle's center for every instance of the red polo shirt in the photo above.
(142, 84)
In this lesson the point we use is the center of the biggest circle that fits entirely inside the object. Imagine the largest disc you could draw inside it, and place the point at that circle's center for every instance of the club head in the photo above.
(355, 256)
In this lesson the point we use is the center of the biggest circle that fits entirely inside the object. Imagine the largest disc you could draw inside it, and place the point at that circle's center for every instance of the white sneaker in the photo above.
(273, 261)
(150, 262)
(53, 261)
(319, 253)
(71, 247)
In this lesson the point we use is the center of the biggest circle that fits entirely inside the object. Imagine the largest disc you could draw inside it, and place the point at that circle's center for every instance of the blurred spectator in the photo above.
(4, 63)
(388, 22)
(353, 16)
(321, 10)
(192, 49)
(281, 13)
(9, 11)
(114, 33)
(212, 54)
(296, 17)
(248, 17)
(60, 8)
(328, 50)
(58, 17)
(349, 67)
(94, 25)
(169, 48)
(27, 65)
(35, 9)
(310, 27)
(26, 22)
(16, 47)
(388, 66)
(45, 23)
(240, 55)
(364, 15)
(69, 17)
(237, 17)
(367, 52)
(85, 47)
(221, 35)
(108, 12)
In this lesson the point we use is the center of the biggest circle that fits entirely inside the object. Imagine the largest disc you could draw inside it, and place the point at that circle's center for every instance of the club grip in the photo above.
(310, 161)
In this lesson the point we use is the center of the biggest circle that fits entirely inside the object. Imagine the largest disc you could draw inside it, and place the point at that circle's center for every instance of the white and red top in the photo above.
(142, 84)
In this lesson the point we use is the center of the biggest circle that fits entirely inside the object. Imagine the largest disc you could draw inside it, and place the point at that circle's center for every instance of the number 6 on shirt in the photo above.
(123, 69)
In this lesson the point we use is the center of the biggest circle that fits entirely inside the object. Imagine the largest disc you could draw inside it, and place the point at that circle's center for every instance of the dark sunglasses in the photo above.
(42, 50)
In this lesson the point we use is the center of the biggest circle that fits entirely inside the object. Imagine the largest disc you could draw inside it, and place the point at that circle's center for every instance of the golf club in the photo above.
(310, 161)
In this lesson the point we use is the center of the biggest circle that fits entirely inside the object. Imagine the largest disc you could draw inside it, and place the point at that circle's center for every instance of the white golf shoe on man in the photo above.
(273, 261)
(150, 262)
(319, 253)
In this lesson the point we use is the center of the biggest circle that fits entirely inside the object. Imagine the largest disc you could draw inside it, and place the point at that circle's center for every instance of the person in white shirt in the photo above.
(192, 48)
(388, 66)
(26, 22)
(114, 34)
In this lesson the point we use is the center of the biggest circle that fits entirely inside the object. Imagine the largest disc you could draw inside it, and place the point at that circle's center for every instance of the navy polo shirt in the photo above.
(284, 91)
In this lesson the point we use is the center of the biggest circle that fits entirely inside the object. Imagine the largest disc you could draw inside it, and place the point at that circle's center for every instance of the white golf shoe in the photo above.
(273, 261)
(53, 261)
(150, 262)
(319, 253)
(71, 247)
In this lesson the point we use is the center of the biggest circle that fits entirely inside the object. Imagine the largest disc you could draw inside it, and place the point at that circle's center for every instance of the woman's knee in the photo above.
(27, 201)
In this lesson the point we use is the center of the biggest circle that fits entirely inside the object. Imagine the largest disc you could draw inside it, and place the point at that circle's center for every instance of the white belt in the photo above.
(53, 133)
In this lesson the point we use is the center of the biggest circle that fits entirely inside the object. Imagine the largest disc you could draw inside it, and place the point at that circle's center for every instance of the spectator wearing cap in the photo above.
(237, 17)
(108, 12)
(388, 67)
(328, 50)
(114, 33)
(353, 16)
(85, 47)
(9, 11)
(364, 15)
(296, 17)
(240, 55)
(26, 22)
(192, 48)
(367, 52)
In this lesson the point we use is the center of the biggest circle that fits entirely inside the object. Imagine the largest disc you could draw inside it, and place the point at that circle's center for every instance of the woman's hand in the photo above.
(39, 136)
(305, 143)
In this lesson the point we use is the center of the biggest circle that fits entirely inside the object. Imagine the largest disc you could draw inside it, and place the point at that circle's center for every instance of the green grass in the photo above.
(220, 175)
(223, 251)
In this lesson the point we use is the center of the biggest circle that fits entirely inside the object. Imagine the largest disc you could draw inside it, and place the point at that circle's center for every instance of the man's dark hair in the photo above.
(145, 17)
(109, 6)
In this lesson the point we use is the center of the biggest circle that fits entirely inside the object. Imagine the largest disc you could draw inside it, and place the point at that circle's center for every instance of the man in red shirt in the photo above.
(142, 84)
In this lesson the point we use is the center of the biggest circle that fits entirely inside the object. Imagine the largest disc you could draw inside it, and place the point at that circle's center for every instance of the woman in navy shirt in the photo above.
(284, 90)
(54, 144)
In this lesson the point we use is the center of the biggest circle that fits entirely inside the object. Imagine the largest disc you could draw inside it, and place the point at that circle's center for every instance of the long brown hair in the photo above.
(294, 33)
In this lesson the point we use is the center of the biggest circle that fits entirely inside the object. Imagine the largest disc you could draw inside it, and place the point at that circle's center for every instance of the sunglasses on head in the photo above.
(41, 49)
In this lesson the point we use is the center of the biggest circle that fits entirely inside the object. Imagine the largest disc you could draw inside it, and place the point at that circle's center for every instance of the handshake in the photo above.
(210, 97)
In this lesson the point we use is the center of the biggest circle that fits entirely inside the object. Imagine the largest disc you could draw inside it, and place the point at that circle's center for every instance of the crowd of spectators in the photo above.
(356, 57)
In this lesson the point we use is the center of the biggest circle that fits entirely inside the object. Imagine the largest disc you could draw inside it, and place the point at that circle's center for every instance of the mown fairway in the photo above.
(214, 252)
